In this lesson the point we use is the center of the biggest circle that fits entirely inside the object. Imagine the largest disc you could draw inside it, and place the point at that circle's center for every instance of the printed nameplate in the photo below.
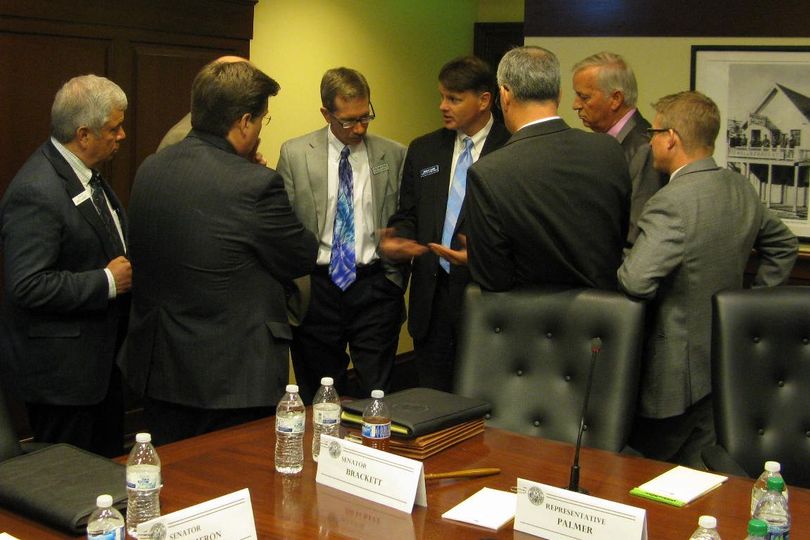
(80, 198)
(550, 512)
(374, 475)
(229, 517)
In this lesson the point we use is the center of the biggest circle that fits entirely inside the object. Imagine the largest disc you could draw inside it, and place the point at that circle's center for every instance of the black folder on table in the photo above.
(58, 485)
(418, 411)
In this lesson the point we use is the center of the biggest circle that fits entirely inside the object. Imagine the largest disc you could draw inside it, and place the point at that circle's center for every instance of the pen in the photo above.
(466, 473)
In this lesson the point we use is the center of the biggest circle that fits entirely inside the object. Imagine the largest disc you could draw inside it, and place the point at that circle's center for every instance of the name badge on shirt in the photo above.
(80, 198)
(377, 169)
(429, 171)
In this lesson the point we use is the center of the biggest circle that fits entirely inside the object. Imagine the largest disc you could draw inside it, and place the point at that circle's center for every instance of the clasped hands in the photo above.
(400, 249)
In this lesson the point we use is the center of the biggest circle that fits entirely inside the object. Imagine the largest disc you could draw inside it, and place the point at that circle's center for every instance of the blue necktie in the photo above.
(456, 198)
(342, 265)
(100, 202)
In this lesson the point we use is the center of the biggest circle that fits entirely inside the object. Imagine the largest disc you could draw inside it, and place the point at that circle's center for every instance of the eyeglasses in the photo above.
(348, 124)
(652, 131)
(266, 120)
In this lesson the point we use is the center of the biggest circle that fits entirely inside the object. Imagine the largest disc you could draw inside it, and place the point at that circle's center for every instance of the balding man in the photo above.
(605, 94)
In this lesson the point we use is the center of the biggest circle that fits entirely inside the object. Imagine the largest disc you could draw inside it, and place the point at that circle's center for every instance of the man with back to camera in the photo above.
(67, 277)
(550, 207)
(605, 94)
(215, 246)
(431, 213)
(695, 239)
(343, 184)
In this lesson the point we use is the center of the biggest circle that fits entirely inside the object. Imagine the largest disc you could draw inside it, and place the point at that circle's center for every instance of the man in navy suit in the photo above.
(467, 88)
(67, 276)
(551, 206)
(215, 247)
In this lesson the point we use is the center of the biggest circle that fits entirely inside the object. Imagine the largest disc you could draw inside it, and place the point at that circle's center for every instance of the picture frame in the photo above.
(763, 93)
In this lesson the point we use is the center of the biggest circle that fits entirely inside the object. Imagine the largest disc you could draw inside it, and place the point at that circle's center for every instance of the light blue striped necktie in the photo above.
(456, 198)
(342, 264)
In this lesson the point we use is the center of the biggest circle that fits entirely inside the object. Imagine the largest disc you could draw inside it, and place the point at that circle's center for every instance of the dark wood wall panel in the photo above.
(744, 18)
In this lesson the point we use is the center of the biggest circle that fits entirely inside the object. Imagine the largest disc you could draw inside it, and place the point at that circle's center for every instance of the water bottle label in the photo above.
(115, 534)
(143, 477)
(326, 417)
(376, 431)
(290, 424)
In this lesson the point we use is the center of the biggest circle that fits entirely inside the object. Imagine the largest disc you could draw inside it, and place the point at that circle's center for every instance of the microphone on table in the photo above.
(573, 483)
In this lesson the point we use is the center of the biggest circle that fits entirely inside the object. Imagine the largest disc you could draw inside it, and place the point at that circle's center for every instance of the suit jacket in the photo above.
(303, 165)
(695, 239)
(549, 208)
(646, 180)
(214, 241)
(420, 217)
(59, 330)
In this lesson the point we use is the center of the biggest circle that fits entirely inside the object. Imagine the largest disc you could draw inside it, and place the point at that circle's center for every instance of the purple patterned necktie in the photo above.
(343, 265)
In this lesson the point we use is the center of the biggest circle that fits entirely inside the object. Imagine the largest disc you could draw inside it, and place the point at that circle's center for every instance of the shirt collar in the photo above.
(617, 127)
(477, 139)
(338, 146)
(83, 172)
(538, 121)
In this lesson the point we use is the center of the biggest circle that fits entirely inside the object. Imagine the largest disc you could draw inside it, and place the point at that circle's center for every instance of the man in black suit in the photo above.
(63, 233)
(215, 246)
(605, 94)
(467, 88)
(551, 206)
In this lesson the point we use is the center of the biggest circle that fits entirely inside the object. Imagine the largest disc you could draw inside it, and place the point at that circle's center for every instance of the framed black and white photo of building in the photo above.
(764, 98)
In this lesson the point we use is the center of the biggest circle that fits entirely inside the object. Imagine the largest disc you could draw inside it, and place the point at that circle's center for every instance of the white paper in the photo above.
(558, 514)
(490, 508)
(6, 536)
(229, 517)
(682, 484)
(372, 474)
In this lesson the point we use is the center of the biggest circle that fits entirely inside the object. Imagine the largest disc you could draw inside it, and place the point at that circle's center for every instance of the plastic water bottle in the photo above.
(707, 529)
(143, 483)
(325, 414)
(757, 530)
(773, 510)
(106, 523)
(377, 422)
(290, 421)
(772, 468)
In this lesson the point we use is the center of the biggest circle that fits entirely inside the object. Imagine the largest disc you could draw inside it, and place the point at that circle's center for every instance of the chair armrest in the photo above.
(718, 459)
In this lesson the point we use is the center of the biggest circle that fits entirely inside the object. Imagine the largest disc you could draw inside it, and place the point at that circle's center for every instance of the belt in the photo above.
(360, 272)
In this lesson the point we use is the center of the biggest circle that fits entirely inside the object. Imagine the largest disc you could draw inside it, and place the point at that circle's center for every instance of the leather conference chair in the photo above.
(761, 382)
(528, 353)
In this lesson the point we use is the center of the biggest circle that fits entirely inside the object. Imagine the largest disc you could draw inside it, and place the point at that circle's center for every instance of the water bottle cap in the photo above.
(776, 483)
(327, 381)
(707, 522)
(772, 466)
(377, 394)
(292, 389)
(757, 527)
(104, 501)
(143, 437)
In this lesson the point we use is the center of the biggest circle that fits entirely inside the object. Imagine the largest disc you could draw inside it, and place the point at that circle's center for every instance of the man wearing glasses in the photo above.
(695, 239)
(344, 185)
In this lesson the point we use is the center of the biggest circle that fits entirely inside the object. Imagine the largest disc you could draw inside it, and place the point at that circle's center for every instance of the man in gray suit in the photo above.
(695, 239)
(344, 184)
(215, 246)
(605, 94)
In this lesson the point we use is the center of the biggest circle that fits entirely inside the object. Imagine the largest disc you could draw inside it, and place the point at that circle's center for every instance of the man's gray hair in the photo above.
(614, 74)
(530, 73)
(86, 100)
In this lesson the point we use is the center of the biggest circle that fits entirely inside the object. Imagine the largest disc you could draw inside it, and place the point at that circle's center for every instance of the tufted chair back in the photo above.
(528, 353)
(761, 379)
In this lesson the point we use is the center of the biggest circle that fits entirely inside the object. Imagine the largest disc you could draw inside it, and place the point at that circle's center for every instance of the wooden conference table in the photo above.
(205, 467)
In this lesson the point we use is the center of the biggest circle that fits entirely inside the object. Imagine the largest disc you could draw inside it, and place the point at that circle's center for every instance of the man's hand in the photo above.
(457, 257)
(122, 274)
(399, 249)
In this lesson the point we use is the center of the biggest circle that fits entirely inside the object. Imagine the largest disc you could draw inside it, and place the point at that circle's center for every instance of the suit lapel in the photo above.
(82, 201)
(441, 186)
(318, 176)
(379, 180)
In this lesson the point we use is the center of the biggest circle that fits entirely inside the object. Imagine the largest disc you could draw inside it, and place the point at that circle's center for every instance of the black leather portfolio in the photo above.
(58, 485)
(419, 411)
